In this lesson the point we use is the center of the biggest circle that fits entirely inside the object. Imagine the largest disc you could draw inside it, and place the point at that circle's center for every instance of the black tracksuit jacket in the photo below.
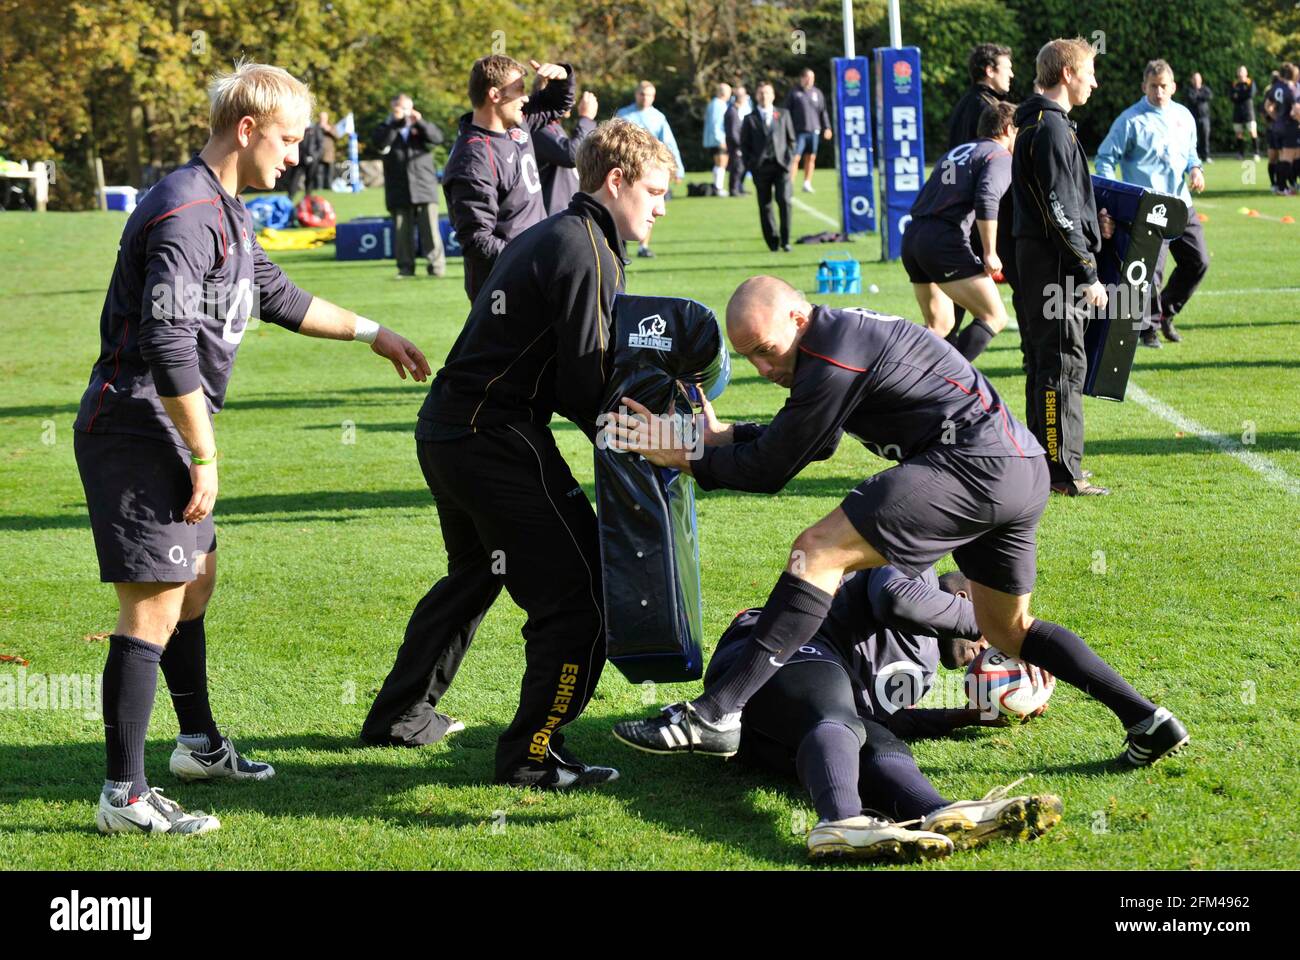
(1052, 187)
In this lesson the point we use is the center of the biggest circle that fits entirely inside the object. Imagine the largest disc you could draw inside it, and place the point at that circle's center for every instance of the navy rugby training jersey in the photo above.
(967, 184)
(884, 628)
(188, 276)
(890, 383)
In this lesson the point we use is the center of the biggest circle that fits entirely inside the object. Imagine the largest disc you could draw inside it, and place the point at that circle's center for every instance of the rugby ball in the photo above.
(996, 681)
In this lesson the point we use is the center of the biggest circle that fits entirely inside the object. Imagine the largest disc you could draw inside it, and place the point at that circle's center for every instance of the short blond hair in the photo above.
(1058, 54)
(623, 144)
(265, 93)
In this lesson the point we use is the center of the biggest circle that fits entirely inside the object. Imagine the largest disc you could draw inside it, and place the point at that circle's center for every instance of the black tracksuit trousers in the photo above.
(1052, 330)
(512, 515)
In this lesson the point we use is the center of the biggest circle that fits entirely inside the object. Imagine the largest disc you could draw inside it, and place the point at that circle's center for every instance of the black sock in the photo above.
(185, 667)
(794, 611)
(1069, 658)
(1283, 173)
(892, 783)
(1272, 174)
(827, 763)
(130, 679)
(974, 338)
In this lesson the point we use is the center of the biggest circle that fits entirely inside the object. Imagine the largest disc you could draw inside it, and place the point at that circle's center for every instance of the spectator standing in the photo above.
(737, 111)
(806, 105)
(1199, 96)
(715, 135)
(406, 141)
(768, 140)
(644, 113)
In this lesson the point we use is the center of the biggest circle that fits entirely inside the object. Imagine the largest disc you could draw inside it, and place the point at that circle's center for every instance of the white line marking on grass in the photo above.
(1265, 467)
(1252, 290)
(814, 211)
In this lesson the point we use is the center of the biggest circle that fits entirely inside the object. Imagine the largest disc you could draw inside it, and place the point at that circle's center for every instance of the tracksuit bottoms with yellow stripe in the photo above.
(511, 513)
(1057, 238)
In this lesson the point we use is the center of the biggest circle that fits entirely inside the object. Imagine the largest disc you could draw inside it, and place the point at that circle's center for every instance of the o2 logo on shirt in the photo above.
(238, 308)
(959, 155)
(528, 170)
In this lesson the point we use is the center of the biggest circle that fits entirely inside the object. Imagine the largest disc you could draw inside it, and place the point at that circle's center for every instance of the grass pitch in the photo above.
(1185, 579)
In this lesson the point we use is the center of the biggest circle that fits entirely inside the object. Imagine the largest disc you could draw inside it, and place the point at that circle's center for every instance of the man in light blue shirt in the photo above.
(643, 113)
(715, 136)
(1153, 144)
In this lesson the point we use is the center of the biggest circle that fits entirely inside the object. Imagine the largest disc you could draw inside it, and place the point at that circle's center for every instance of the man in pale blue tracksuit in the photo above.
(715, 135)
(1153, 143)
(643, 113)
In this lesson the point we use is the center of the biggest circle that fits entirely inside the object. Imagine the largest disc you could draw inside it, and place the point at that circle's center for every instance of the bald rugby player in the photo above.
(970, 480)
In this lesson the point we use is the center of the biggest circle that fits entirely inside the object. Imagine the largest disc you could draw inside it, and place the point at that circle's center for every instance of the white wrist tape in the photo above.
(367, 330)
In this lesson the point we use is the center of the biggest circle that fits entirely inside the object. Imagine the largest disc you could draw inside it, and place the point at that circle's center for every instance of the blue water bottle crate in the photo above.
(842, 275)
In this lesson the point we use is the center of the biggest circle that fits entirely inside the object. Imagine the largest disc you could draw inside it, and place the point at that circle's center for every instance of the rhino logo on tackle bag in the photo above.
(649, 334)
(673, 353)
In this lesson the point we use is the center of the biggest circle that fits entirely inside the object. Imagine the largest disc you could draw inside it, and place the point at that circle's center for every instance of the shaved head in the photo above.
(765, 319)
(758, 300)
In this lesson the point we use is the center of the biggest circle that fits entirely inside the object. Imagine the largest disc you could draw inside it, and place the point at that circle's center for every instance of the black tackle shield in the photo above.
(665, 350)
(1144, 220)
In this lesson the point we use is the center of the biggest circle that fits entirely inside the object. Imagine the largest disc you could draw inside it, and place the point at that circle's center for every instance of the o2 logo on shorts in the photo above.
(528, 170)
(177, 555)
(889, 451)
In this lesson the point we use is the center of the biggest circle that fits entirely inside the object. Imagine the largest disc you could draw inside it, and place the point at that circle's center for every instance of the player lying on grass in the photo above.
(971, 481)
(836, 714)
(188, 275)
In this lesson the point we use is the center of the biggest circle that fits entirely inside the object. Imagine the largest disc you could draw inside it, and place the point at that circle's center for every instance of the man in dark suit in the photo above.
(736, 113)
(767, 141)
(406, 141)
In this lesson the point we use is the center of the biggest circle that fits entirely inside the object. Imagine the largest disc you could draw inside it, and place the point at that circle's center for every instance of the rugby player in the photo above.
(989, 66)
(837, 714)
(1058, 231)
(970, 480)
(491, 181)
(965, 191)
(535, 345)
(1270, 136)
(1284, 95)
(188, 274)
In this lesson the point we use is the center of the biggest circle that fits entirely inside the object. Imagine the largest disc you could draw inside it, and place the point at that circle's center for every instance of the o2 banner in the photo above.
(902, 143)
(856, 157)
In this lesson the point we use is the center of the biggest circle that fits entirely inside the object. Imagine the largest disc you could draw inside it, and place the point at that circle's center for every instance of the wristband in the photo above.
(203, 461)
(367, 330)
